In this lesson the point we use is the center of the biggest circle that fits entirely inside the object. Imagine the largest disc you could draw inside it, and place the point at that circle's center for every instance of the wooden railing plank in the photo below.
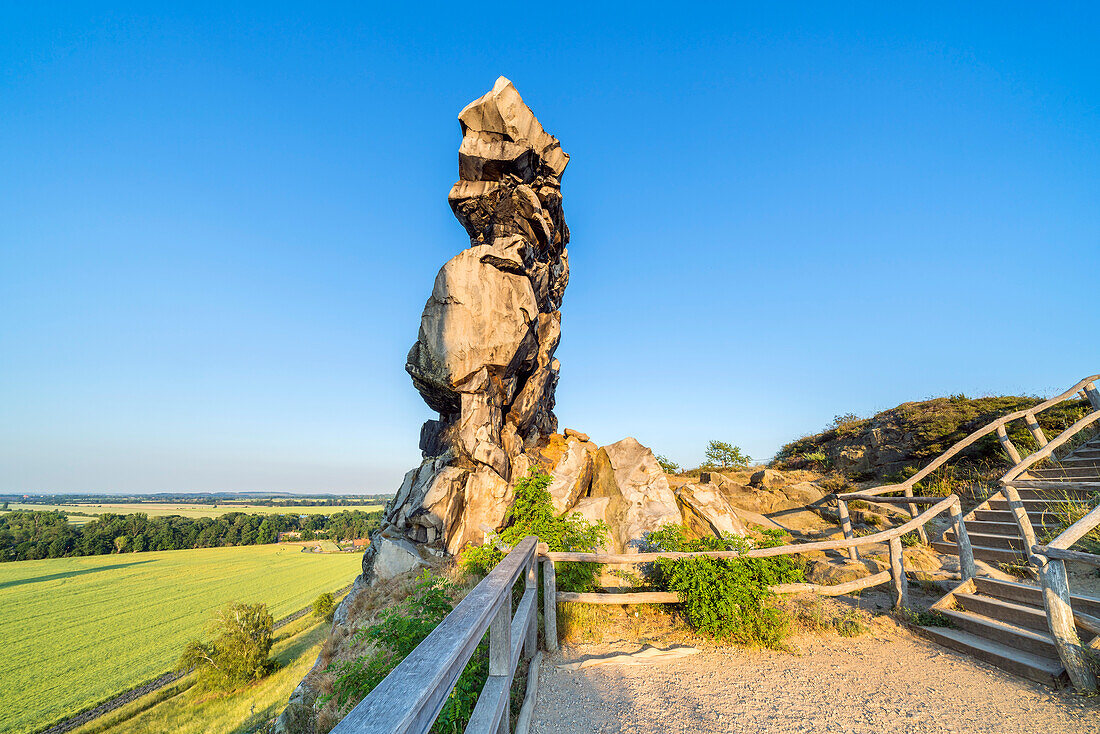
(410, 698)
(1077, 530)
(779, 550)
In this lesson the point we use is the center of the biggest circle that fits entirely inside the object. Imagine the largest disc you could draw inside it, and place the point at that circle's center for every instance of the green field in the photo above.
(155, 509)
(79, 630)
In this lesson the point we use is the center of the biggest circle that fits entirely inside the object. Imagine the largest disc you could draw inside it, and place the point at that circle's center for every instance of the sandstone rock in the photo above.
(582, 437)
(395, 556)
(484, 355)
(640, 499)
(706, 512)
(767, 478)
(572, 475)
(593, 509)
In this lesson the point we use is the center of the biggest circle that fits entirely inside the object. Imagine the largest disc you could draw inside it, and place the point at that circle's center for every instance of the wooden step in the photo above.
(985, 527)
(1062, 473)
(1019, 638)
(993, 555)
(1032, 595)
(1056, 493)
(1035, 507)
(1020, 615)
(989, 541)
(1034, 667)
(1087, 487)
(1077, 461)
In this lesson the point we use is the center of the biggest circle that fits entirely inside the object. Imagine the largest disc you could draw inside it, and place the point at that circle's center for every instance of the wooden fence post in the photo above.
(531, 643)
(846, 526)
(897, 572)
(550, 605)
(500, 650)
(1036, 430)
(967, 569)
(913, 513)
(1052, 575)
(1093, 395)
(1023, 522)
(1007, 445)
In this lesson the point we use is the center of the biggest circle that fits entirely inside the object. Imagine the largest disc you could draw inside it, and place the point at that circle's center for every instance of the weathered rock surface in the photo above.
(640, 499)
(706, 511)
(484, 356)
(395, 556)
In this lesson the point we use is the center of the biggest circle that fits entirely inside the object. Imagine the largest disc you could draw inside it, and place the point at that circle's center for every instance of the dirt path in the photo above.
(869, 684)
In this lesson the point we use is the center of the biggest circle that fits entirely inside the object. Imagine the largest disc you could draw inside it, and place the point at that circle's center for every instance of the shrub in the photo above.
(396, 634)
(532, 513)
(668, 466)
(239, 653)
(726, 598)
(721, 455)
(324, 607)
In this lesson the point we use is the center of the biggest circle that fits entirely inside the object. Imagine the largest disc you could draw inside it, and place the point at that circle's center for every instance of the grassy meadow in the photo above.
(79, 630)
(182, 710)
(156, 509)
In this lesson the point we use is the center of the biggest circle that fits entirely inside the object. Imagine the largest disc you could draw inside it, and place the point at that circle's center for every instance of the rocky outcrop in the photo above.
(484, 356)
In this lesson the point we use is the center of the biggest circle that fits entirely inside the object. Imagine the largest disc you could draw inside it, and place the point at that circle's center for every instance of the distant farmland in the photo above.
(154, 509)
(79, 630)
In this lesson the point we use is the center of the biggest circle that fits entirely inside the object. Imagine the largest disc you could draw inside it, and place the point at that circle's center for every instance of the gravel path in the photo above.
(870, 684)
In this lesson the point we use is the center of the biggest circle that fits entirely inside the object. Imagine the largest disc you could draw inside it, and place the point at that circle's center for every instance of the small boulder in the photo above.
(395, 556)
(582, 437)
(766, 478)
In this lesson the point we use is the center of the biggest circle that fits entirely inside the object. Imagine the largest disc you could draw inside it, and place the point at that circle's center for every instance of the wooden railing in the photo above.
(412, 695)
(1086, 388)
(950, 505)
(1050, 561)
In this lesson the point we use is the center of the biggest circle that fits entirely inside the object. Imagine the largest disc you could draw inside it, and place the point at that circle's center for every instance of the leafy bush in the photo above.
(668, 466)
(721, 455)
(726, 598)
(324, 607)
(396, 634)
(239, 653)
(532, 513)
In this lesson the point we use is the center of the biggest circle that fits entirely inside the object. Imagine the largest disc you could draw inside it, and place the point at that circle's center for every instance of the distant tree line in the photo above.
(202, 499)
(27, 535)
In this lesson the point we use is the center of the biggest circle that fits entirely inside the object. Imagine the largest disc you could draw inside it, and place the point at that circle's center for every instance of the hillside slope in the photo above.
(898, 441)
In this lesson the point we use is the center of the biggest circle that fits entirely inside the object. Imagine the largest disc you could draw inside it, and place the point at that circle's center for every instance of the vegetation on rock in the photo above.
(532, 513)
(894, 444)
(729, 599)
(396, 634)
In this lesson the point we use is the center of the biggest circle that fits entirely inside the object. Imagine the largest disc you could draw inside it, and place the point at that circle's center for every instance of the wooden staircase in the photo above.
(993, 531)
(1001, 622)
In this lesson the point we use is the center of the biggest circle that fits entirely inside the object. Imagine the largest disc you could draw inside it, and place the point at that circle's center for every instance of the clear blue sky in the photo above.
(218, 225)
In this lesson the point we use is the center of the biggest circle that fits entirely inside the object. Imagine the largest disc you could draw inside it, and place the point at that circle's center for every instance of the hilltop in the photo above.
(895, 443)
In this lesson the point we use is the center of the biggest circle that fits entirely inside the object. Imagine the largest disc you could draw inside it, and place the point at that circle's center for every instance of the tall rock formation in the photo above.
(484, 357)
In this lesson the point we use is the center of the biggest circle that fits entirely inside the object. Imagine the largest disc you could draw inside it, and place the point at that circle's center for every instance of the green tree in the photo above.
(721, 455)
(240, 651)
(668, 466)
(324, 607)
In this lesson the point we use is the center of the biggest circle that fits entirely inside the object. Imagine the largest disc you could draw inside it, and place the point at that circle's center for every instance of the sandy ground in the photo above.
(874, 683)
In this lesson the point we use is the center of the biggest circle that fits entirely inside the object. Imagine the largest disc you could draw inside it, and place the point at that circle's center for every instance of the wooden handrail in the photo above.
(1077, 530)
(779, 550)
(996, 426)
(410, 698)
(1022, 466)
